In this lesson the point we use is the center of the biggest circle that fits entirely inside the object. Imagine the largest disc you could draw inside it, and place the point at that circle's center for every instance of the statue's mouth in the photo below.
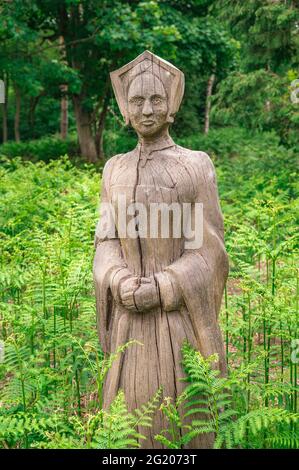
(148, 122)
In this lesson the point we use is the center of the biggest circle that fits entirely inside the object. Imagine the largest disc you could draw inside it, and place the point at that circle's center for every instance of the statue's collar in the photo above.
(159, 144)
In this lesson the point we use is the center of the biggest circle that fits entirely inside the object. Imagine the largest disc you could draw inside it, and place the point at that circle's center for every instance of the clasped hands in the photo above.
(135, 293)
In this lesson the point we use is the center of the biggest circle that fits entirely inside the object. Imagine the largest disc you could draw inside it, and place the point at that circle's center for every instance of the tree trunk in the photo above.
(86, 140)
(100, 129)
(4, 109)
(64, 112)
(17, 114)
(208, 102)
(31, 115)
(64, 96)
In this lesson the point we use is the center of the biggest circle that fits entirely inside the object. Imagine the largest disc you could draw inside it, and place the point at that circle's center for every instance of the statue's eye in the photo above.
(138, 100)
(157, 100)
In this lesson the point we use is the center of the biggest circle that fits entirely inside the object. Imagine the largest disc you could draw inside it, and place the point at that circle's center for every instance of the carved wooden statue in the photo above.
(153, 288)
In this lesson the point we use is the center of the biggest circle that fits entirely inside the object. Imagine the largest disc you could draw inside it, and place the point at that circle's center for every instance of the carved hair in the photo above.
(171, 77)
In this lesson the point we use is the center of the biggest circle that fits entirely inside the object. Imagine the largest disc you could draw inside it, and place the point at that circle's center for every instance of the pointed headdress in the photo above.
(171, 77)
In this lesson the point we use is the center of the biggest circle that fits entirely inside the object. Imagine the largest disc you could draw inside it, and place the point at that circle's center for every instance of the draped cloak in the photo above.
(190, 281)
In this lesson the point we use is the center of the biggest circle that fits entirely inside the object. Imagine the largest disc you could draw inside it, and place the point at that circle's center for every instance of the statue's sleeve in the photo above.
(109, 265)
(198, 277)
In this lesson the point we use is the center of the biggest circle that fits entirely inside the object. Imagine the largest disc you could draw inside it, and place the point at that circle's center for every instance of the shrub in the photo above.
(45, 149)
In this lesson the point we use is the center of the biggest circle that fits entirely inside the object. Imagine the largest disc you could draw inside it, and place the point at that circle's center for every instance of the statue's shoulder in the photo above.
(117, 159)
(196, 158)
(112, 160)
(110, 164)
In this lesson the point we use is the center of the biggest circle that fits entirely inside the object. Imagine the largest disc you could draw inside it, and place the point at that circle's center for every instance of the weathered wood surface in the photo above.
(154, 290)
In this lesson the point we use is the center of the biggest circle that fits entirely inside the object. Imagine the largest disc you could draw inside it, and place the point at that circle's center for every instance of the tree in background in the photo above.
(267, 29)
(30, 74)
(257, 95)
(98, 36)
(258, 100)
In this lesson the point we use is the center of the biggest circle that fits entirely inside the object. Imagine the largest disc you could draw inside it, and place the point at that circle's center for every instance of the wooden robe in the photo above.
(190, 281)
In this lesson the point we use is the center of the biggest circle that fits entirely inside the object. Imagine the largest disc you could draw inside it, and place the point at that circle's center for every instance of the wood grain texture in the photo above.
(187, 284)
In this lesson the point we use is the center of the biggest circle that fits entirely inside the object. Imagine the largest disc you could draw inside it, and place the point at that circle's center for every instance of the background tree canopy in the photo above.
(57, 55)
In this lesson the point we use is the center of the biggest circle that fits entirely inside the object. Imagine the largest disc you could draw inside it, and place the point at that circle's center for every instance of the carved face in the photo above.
(147, 105)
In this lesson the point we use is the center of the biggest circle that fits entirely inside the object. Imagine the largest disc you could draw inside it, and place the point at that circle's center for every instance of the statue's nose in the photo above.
(147, 108)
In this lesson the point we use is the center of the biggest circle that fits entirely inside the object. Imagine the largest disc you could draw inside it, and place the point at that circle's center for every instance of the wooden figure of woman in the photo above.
(156, 289)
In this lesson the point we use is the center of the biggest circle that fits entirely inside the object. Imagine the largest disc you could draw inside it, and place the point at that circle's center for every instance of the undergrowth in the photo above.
(53, 369)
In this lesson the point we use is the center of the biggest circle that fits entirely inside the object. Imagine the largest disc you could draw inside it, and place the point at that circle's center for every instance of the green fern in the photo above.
(119, 428)
(207, 394)
(178, 434)
(285, 439)
(143, 416)
(208, 401)
(51, 379)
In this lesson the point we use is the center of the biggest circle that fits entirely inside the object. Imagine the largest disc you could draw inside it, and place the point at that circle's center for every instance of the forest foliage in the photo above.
(52, 375)
(57, 55)
(60, 123)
